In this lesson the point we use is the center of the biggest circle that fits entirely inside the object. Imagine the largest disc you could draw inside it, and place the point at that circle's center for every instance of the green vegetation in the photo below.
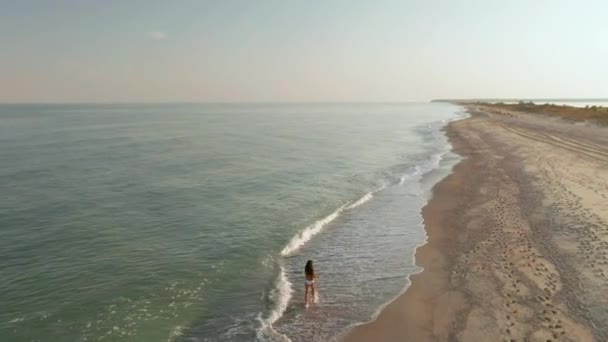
(596, 114)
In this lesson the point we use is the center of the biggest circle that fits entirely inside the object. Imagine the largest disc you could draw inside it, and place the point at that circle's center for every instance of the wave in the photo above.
(307, 233)
(424, 167)
(280, 295)
(176, 332)
(282, 291)
(310, 231)
(410, 175)
(368, 196)
(436, 160)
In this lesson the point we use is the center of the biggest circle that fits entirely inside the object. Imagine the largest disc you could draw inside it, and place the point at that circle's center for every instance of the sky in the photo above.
(301, 51)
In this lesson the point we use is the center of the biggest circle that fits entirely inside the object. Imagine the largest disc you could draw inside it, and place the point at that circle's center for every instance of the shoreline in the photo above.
(453, 159)
(495, 263)
(395, 316)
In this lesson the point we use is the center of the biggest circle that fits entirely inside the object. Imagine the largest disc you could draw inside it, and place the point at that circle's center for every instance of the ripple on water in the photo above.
(128, 317)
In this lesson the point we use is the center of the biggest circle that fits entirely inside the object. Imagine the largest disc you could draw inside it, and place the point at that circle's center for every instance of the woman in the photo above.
(309, 282)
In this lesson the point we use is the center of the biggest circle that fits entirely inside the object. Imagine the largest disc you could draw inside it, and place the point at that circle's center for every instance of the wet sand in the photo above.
(517, 244)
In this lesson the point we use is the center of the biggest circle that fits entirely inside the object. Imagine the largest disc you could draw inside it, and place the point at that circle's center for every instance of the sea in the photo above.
(193, 222)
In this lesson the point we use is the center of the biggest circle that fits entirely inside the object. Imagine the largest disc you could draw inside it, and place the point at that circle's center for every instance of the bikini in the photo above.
(309, 282)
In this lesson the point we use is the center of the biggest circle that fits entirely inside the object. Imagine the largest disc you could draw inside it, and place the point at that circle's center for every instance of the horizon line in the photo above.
(202, 102)
(185, 102)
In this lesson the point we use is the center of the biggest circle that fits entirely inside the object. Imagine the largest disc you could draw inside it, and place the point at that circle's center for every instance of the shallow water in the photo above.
(193, 222)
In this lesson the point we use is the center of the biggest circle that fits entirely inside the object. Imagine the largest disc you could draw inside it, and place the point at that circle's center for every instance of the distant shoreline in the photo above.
(535, 100)
(596, 112)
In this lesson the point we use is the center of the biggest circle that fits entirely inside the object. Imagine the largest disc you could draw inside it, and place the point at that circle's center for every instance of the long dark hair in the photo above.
(309, 270)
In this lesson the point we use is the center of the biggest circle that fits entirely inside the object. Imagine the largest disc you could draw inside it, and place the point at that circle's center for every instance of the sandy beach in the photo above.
(517, 244)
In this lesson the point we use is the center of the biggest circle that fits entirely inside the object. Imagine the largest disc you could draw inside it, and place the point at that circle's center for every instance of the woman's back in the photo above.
(309, 282)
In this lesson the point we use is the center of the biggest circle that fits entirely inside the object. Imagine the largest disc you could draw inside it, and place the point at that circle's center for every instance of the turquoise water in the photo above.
(182, 221)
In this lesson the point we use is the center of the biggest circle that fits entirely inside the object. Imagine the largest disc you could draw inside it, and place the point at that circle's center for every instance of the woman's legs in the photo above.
(314, 297)
(306, 295)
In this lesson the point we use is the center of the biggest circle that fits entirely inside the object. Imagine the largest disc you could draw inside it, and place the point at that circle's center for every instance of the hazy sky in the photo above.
(381, 50)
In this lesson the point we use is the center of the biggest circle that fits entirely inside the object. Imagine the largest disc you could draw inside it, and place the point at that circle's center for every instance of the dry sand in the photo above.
(517, 238)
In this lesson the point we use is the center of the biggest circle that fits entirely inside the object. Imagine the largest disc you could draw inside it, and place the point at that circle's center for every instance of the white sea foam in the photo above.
(17, 320)
(410, 175)
(307, 233)
(368, 196)
(175, 333)
(280, 296)
(436, 160)
(424, 167)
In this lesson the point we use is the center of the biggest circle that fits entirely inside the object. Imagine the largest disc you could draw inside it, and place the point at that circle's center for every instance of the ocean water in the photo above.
(192, 222)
